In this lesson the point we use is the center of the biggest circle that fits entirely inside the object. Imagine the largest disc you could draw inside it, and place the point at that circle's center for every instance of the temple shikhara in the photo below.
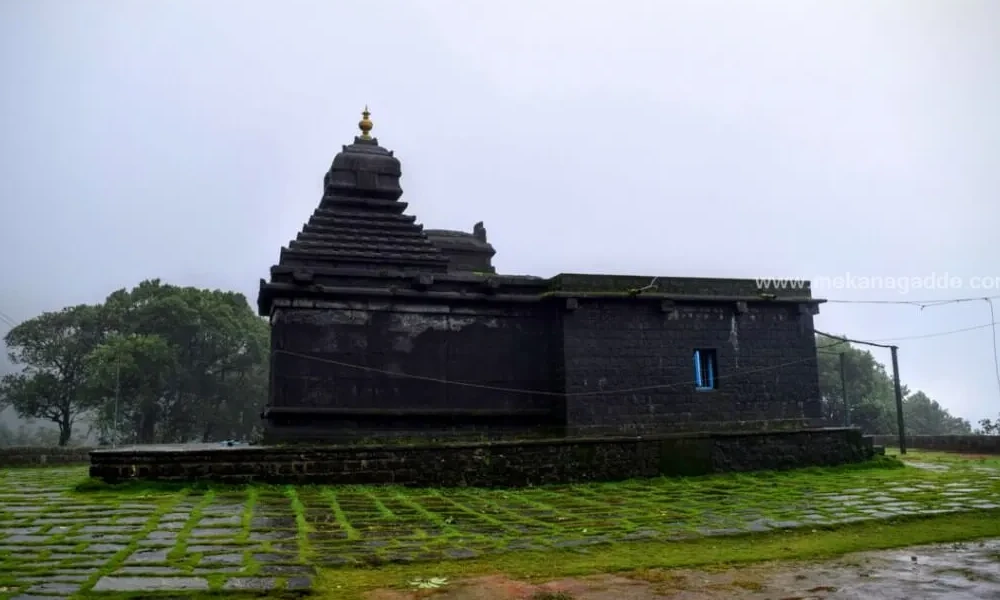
(388, 339)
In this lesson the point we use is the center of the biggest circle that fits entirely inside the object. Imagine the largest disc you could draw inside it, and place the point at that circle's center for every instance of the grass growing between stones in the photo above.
(646, 560)
(148, 539)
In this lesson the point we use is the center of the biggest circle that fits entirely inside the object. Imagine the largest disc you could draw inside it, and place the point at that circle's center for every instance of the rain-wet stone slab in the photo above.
(215, 532)
(55, 589)
(286, 570)
(148, 570)
(221, 559)
(150, 584)
(162, 535)
(147, 556)
(272, 536)
(26, 539)
(210, 522)
(212, 548)
(298, 583)
(250, 583)
(105, 548)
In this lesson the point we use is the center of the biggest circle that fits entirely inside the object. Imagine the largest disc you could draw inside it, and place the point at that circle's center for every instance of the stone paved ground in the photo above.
(55, 542)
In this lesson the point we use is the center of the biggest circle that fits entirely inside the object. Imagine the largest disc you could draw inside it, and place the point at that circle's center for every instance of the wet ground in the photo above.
(966, 571)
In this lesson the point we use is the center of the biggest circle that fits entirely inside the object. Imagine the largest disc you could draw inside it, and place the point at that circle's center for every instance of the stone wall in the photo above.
(625, 360)
(765, 366)
(488, 464)
(977, 444)
(493, 347)
(17, 456)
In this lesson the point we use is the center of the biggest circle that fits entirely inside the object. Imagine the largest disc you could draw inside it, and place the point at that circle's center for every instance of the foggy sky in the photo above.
(187, 140)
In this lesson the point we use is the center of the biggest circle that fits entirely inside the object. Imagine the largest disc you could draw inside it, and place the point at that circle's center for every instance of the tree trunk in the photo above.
(147, 427)
(65, 431)
(206, 435)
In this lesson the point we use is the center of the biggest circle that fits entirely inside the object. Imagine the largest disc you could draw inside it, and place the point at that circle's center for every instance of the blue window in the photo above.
(705, 371)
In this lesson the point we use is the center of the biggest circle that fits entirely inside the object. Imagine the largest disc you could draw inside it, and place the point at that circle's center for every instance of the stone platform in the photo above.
(487, 464)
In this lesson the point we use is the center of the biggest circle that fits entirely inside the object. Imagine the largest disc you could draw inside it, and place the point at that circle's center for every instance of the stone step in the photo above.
(362, 228)
(293, 257)
(347, 213)
(366, 222)
(365, 245)
(394, 237)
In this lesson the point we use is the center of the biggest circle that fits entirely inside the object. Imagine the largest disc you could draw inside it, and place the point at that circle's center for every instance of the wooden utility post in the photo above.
(843, 389)
(895, 379)
(899, 401)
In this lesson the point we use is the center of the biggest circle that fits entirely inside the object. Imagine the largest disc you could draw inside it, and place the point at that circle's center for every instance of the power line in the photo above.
(938, 334)
(918, 303)
(7, 320)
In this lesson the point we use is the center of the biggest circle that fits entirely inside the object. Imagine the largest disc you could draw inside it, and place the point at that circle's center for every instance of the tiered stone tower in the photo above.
(363, 293)
(359, 224)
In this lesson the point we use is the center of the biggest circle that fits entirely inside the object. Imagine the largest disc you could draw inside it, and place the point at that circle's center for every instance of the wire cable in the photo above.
(918, 303)
(538, 392)
(7, 320)
(938, 334)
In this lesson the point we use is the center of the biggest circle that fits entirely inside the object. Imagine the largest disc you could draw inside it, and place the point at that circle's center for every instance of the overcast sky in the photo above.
(187, 140)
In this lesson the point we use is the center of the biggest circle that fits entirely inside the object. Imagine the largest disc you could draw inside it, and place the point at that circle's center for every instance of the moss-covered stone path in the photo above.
(55, 542)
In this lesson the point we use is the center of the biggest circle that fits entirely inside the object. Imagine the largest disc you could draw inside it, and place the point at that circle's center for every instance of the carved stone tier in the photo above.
(465, 251)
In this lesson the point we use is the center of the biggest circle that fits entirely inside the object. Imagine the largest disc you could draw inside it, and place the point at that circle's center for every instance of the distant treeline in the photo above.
(155, 364)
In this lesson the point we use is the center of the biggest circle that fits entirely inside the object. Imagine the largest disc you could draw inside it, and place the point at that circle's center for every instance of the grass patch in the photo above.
(647, 560)
(952, 459)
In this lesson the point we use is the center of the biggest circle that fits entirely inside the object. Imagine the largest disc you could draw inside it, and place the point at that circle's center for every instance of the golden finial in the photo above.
(365, 124)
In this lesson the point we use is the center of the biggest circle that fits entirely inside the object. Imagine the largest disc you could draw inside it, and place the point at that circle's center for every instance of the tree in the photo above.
(870, 390)
(924, 416)
(189, 364)
(872, 397)
(140, 364)
(989, 427)
(52, 349)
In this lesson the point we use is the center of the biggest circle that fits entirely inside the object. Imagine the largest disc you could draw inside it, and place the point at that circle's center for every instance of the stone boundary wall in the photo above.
(980, 444)
(19, 456)
(485, 464)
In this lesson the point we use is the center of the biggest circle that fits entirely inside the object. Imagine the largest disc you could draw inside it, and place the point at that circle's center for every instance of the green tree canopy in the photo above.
(189, 364)
(872, 397)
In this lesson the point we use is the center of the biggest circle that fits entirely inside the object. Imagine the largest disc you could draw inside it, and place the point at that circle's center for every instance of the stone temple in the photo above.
(399, 354)
(365, 297)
